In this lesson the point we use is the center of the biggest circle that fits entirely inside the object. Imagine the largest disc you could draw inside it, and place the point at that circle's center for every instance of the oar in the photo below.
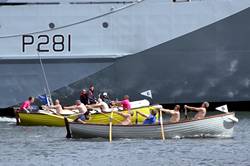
(110, 126)
(136, 118)
(162, 129)
(109, 116)
(67, 128)
(186, 116)
(17, 117)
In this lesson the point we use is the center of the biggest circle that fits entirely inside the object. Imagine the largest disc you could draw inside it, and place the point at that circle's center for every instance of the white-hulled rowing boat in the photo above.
(212, 126)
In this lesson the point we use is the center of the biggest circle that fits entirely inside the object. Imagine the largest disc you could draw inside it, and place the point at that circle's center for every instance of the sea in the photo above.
(32, 146)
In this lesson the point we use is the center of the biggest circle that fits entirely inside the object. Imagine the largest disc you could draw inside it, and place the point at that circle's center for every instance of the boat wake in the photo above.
(5, 119)
(204, 136)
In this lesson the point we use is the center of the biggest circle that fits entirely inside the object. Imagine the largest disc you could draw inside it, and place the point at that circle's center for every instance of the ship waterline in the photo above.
(193, 51)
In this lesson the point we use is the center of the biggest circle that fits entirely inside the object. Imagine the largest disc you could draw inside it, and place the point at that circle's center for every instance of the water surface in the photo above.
(48, 146)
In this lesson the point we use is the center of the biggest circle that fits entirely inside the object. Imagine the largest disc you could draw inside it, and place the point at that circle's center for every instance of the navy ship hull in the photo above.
(209, 64)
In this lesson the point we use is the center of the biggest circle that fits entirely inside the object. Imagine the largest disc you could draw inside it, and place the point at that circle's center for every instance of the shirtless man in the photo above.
(100, 104)
(175, 114)
(82, 111)
(127, 117)
(201, 111)
(56, 106)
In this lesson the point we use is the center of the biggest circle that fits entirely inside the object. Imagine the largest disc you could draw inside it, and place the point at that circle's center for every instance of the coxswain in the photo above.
(26, 106)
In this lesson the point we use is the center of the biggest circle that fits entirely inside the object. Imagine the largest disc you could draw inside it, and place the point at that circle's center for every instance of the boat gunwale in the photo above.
(157, 124)
(35, 113)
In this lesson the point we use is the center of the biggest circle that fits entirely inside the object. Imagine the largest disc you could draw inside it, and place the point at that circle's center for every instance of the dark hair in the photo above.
(153, 112)
(30, 98)
(126, 97)
(87, 115)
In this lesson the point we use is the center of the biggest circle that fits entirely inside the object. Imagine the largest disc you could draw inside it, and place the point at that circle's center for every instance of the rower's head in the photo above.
(131, 112)
(205, 104)
(78, 102)
(126, 97)
(177, 108)
(92, 88)
(57, 102)
(153, 112)
(105, 94)
(84, 91)
(99, 100)
(87, 115)
(31, 99)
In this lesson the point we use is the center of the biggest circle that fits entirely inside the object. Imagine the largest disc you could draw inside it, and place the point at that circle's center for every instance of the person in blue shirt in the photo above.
(151, 118)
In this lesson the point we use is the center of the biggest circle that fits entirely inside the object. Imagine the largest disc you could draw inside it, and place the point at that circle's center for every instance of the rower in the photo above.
(151, 118)
(104, 96)
(127, 117)
(201, 111)
(125, 103)
(83, 112)
(57, 106)
(175, 113)
(26, 106)
(100, 104)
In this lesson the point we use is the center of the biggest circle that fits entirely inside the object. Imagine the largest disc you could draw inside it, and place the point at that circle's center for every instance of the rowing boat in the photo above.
(41, 119)
(49, 119)
(213, 126)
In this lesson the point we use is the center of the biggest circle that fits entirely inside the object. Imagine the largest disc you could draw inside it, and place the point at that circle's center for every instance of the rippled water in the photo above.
(48, 146)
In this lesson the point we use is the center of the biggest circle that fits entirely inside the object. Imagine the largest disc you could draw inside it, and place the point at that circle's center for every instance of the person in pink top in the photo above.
(125, 103)
(26, 106)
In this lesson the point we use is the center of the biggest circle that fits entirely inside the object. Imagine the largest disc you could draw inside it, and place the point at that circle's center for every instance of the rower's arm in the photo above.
(121, 114)
(94, 105)
(27, 111)
(166, 110)
(117, 103)
(193, 108)
(142, 114)
(52, 107)
(70, 107)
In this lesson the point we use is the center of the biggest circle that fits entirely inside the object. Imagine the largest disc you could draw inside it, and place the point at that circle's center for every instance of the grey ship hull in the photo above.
(211, 63)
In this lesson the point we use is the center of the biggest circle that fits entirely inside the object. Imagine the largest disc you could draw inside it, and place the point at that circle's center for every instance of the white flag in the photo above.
(222, 108)
(147, 93)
